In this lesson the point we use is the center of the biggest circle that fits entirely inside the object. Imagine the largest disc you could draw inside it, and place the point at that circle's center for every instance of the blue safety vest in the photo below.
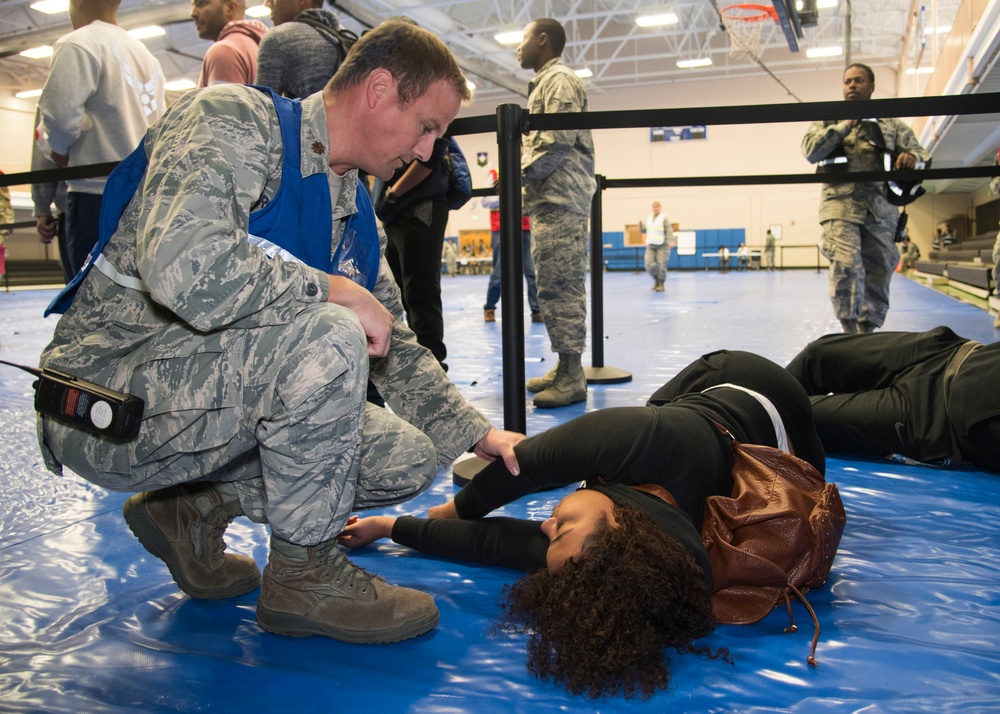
(299, 220)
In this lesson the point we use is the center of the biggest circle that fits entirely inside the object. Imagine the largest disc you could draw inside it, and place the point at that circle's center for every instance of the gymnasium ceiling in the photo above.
(604, 38)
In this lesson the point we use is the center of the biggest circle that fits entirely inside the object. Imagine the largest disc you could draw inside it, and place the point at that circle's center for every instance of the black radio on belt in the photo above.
(85, 404)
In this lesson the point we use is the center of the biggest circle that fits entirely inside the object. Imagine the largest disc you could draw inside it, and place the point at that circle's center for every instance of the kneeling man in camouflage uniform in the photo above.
(249, 320)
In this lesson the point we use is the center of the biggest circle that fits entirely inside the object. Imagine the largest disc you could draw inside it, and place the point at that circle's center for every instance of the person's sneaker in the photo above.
(538, 384)
(316, 590)
(568, 387)
(489, 315)
(183, 526)
(536, 317)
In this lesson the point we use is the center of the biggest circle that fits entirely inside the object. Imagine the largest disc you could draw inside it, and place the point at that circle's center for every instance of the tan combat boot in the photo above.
(316, 590)
(568, 387)
(538, 384)
(182, 526)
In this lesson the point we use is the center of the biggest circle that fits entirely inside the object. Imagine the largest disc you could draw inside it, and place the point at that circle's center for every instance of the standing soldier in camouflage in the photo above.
(254, 368)
(858, 222)
(558, 176)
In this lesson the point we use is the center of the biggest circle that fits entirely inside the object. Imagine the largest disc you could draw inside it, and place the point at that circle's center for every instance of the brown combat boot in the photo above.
(316, 590)
(489, 315)
(568, 387)
(182, 526)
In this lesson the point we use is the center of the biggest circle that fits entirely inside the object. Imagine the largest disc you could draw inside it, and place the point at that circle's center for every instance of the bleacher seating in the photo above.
(966, 265)
(31, 273)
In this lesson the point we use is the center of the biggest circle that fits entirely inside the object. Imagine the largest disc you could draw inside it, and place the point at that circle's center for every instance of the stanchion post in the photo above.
(510, 123)
(509, 126)
(597, 373)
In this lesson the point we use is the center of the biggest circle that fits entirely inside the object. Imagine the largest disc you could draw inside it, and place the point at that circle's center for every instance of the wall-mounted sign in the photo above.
(677, 133)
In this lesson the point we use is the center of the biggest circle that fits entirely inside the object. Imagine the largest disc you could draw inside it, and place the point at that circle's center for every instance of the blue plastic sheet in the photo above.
(910, 616)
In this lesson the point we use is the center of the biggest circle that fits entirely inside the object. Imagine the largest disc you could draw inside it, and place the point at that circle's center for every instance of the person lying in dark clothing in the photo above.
(931, 397)
(618, 574)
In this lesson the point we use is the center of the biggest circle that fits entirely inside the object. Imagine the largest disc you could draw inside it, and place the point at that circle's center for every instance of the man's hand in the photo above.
(500, 443)
(46, 227)
(362, 531)
(906, 161)
(376, 320)
(445, 510)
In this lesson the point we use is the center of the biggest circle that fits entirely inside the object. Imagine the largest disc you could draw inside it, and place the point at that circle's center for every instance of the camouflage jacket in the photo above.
(6, 212)
(214, 157)
(558, 166)
(852, 201)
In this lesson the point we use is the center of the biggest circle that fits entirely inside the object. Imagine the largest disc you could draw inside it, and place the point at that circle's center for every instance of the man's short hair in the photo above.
(414, 56)
(555, 32)
(868, 70)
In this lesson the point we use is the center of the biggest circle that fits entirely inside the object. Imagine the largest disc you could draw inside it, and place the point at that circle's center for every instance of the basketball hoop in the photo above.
(745, 22)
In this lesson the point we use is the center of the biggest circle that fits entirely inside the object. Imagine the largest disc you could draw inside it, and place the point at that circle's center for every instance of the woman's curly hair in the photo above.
(601, 624)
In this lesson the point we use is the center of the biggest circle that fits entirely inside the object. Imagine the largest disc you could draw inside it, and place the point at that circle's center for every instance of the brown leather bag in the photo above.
(775, 536)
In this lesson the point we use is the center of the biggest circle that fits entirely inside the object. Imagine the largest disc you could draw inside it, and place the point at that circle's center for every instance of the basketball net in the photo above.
(744, 25)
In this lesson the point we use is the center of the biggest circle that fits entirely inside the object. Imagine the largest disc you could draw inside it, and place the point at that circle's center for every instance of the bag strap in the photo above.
(811, 659)
(654, 489)
(341, 38)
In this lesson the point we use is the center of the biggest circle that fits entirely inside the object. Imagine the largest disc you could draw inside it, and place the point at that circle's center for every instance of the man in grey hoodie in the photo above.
(302, 51)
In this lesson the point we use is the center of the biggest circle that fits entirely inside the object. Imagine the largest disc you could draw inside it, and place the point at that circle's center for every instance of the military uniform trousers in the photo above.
(656, 259)
(862, 260)
(279, 410)
(559, 250)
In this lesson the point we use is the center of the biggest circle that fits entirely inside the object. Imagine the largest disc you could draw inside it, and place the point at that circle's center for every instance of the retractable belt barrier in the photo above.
(509, 123)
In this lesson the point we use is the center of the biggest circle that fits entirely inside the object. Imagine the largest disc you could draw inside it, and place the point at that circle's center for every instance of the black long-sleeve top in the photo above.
(674, 445)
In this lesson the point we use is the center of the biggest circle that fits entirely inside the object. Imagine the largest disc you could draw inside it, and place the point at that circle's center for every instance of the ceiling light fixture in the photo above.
(692, 63)
(940, 30)
(509, 37)
(179, 85)
(145, 33)
(820, 4)
(29, 94)
(51, 7)
(920, 70)
(657, 20)
(820, 52)
(258, 11)
(584, 73)
(37, 52)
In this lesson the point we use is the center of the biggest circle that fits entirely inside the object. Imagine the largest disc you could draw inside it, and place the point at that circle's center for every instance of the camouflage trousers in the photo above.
(277, 410)
(656, 261)
(559, 251)
(862, 259)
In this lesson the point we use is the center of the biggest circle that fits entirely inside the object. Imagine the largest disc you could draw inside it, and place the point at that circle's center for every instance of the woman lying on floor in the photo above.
(617, 575)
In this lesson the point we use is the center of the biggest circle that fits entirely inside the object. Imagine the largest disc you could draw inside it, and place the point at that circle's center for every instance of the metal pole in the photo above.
(597, 276)
(509, 126)
(597, 373)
